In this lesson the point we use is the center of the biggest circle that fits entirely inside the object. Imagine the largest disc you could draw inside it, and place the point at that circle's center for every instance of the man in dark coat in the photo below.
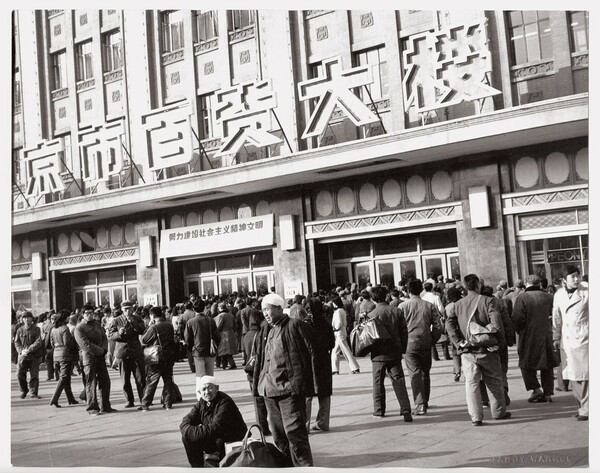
(285, 374)
(126, 330)
(30, 347)
(386, 355)
(324, 342)
(213, 421)
(532, 319)
(93, 344)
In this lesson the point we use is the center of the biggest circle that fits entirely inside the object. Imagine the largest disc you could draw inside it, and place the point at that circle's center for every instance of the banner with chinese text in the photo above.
(217, 237)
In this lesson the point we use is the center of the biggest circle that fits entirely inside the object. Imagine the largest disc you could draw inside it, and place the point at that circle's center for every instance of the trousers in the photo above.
(486, 366)
(581, 393)
(163, 370)
(418, 364)
(394, 369)
(96, 376)
(135, 366)
(531, 381)
(322, 419)
(64, 382)
(33, 367)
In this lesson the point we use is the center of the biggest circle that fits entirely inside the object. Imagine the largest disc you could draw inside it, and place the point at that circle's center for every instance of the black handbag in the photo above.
(214, 349)
(256, 453)
(154, 353)
(365, 335)
(249, 366)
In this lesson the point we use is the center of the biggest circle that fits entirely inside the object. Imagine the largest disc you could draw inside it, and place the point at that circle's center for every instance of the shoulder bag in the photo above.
(367, 334)
(249, 366)
(214, 349)
(153, 353)
(481, 335)
(254, 453)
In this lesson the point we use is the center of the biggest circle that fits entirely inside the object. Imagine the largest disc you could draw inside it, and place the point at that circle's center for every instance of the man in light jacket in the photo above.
(570, 331)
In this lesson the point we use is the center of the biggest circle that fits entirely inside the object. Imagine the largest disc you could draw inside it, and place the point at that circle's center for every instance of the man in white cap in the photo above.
(213, 421)
(285, 374)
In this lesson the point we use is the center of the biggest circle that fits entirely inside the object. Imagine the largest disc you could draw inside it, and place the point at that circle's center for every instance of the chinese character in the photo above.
(194, 233)
(202, 232)
(187, 235)
(210, 232)
(226, 229)
(251, 226)
(234, 228)
(101, 153)
(179, 235)
(42, 166)
(218, 231)
(171, 236)
(242, 227)
(258, 224)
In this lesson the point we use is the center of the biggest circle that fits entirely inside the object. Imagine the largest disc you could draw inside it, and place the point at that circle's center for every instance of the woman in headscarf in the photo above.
(65, 353)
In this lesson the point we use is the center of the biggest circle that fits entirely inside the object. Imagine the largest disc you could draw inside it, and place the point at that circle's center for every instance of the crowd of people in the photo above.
(291, 350)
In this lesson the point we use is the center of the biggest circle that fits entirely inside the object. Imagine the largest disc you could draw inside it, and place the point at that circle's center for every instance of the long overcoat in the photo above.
(570, 324)
(532, 319)
(226, 326)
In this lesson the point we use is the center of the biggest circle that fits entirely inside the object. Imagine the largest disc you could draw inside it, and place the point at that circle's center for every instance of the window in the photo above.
(207, 25)
(83, 53)
(59, 70)
(111, 46)
(530, 36)
(376, 59)
(579, 28)
(239, 19)
(206, 121)
(172, 31)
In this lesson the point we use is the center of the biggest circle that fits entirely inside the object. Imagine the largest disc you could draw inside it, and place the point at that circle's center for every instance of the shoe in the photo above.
(447, 358)
(129, 404)
(143, 409)
(167, 408)
(419, 410)
(457, 377)
(547, 397)
(485, 403)
(407, 417)
(335, 372)
(49, 379)
(94, 412)
(316, 428)
(73, 402)
(436, 359)
(378, 415)
(537, 397)
(23, 395)
(477, 423)
(558, 388)
(506, 415)
(56, 404)
(35, 396)
(356, 372)
(82, 396)
(581, 417)
(108, 411)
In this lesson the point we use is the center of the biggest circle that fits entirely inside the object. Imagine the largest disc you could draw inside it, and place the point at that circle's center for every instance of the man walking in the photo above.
(480, 360)
(30, 348)
(570, 324)
(126, 330)
(285, 374)
(386, 355)
(532, 320)
(93, 344)
(424, 330)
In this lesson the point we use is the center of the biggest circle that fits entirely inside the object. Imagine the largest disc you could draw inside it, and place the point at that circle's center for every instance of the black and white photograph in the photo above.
(287, 237)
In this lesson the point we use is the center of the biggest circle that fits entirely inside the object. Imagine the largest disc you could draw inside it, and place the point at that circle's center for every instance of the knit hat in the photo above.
(206, 379)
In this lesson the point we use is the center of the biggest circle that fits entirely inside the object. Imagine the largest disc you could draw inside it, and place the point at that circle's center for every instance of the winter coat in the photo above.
(63, 343)
(225, 322)
(127, 344)
(324, 341)
(570, 325)
(197, 335)
(422, 322)
(221, 420)
(299, 357)
(161, 333)
(92, 341)
(32, 339)
(395, 323)
(532, 319)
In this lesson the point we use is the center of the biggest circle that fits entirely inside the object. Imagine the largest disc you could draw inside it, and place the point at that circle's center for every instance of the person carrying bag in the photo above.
(254, 453)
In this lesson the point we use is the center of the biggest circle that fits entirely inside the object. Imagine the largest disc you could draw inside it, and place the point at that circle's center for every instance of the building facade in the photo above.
(162, 153)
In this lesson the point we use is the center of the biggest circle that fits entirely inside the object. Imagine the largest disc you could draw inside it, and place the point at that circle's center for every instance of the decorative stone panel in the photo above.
(175, 79)
(116, 96)
(62, 112)
(572, 196)
(83, 19)
(531, 71)
(85, 85)
(93, 258)
(239, 35)
(59, 93)
(245, 57)
(209, 68)
(580, 61)
(113, 76)
(557, 219)
(57, 30)
(170, 58)
(366, 20)
(20, 269)
(206, 46)
(87, 104)
(322, 33)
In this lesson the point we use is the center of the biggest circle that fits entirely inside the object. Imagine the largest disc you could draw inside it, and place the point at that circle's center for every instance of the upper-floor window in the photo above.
(16, 89)
(239, 19)
(111, 46)
(207, 25)
(376, 59)
(530, 35)
(172, 31)
(83, 53)
(579, 28)
(58, 63)
(205, 107)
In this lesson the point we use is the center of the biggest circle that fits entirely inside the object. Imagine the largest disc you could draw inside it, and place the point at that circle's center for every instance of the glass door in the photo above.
(262, 282)
(433, 266)
(453, 266)
(341, 274)
(387, 274)
(363, 274)
(408, 269)
(209, 285)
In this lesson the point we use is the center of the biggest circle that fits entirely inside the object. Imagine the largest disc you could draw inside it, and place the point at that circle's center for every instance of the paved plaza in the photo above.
(538, 435)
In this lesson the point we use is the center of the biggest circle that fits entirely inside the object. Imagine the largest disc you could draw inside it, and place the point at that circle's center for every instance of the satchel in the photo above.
(153, 354)
(255, 453)
(367, 334)
(249, 366)
(481, 335)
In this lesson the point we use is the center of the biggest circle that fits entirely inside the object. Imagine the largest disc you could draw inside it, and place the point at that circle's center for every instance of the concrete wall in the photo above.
(40, 288)
(149, 278)
(482, 251)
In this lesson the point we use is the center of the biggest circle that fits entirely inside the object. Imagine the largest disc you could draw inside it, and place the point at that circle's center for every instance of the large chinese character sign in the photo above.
(244, 113)
(334, 89)
(101, 153)
(447, 67)
(42, 168)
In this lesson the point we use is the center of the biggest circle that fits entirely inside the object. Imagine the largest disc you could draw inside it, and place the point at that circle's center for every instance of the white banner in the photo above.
(217, 237)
